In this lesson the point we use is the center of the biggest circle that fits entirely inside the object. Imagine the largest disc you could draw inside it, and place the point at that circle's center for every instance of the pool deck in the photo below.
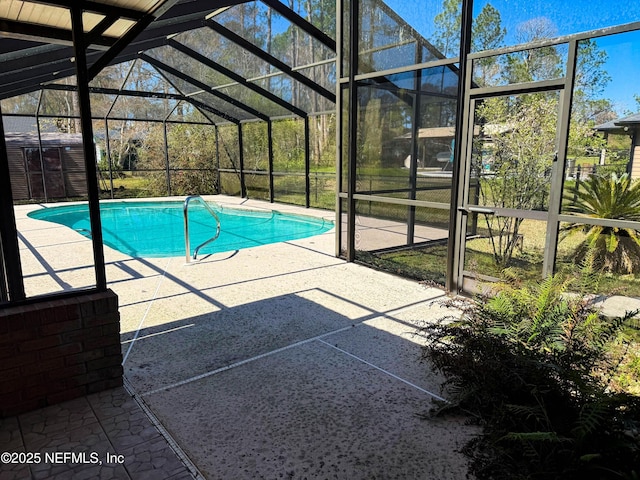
(280, 361)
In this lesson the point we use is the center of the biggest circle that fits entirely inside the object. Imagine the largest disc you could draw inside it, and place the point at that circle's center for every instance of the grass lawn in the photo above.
(128, 185)
(429, 263)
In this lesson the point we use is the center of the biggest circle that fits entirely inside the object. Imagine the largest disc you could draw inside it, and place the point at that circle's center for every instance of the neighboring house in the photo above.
(49, 167)
(626, 126)
(435, 147)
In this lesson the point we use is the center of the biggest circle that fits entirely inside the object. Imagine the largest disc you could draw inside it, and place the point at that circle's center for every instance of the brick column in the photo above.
(56, 350)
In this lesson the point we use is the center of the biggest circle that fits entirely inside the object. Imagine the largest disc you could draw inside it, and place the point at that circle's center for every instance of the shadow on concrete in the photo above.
(288, 387)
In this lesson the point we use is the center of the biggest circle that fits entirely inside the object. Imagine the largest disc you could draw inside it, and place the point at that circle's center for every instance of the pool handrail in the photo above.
(187, 243)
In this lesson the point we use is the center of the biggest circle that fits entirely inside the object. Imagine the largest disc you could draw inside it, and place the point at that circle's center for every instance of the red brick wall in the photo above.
(59, 349)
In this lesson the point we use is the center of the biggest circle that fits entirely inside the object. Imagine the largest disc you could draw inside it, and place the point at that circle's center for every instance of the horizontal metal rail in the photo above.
(187, 243)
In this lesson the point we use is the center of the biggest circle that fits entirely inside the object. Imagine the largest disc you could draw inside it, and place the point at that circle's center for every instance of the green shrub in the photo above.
(534, 365)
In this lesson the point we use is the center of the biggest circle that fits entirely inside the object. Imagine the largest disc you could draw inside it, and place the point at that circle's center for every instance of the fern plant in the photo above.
(533, 364)
(613, 197)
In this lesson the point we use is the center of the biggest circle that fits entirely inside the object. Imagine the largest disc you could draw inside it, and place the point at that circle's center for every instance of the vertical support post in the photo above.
(12, 268)
(270, 160)
(40, 152)
(219, 186)
(166, 147)
(307, 164)
(106, 129)
(455, 221)
(41, 156)
(243, 187)
(166, 156)
(339, 130)
(413, 167)
(557, 169)
(354, 32)
(469, 185)
(107, 145)
(87, 140)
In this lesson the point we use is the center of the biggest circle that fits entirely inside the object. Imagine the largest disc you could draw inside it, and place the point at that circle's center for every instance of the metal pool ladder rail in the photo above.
(185, 210)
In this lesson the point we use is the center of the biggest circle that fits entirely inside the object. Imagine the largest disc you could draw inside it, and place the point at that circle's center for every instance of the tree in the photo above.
(591, 80)
(487, 30)
(520, 131)
(588, 108)
(487, 34)
(535, 64)
(519, 134)
(447, 22)
(288, 145)
(192, 154)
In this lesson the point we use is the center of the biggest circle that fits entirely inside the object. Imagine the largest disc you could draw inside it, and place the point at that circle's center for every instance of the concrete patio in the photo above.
(280, 361)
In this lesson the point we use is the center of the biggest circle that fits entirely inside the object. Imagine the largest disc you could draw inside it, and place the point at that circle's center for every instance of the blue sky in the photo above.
(569, 17)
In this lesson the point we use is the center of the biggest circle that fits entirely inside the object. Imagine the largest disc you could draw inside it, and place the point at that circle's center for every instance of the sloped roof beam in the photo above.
(170, 82)
(250, 47)
(118, 46)
(203, 86)
(137, 93)
(52, 64)
(208, 108)
(26, 68)
(302, 23)
(127, 38)
(118, 91)
(101, 27)
(32, 79)
(10, 47)
(238, 78)
(43, 33)
(411, 31)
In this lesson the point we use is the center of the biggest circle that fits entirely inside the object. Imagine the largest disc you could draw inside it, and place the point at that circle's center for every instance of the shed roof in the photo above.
(50, 139)
(20, 124)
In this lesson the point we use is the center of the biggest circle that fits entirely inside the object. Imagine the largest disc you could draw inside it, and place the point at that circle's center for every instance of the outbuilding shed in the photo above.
(48, 167)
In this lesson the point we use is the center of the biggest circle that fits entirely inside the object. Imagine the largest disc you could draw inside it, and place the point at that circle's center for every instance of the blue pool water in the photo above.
(156, 229)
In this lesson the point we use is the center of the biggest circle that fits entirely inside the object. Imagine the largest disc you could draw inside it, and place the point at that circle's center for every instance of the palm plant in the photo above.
(616, 249)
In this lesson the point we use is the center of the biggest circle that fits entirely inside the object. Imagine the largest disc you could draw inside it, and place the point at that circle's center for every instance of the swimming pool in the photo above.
(156, 229)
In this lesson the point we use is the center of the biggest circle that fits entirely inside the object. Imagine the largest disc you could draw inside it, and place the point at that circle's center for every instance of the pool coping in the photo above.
(131, 243)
